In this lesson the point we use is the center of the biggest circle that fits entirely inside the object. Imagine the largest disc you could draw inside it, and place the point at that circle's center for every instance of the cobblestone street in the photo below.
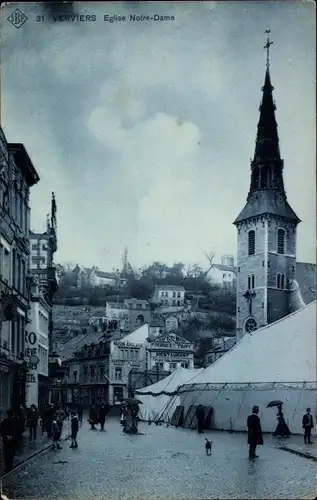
(163, 463)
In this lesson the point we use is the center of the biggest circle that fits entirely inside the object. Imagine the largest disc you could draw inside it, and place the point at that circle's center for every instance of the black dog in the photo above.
(208, 446)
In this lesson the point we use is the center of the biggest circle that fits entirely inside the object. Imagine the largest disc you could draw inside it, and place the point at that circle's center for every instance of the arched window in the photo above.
(280, 281)
(251, 242)
(281, 233)
(251, 282)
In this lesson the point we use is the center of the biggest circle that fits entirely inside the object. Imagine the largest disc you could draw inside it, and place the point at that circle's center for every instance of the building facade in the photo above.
(98, 365)
(223, 274)
(17, 176)
(37, 345)
(168, 352)
(169, 295)
(266, 261)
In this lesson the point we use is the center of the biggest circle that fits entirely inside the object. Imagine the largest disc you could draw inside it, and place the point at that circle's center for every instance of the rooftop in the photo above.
(24, 163)
(178, 288)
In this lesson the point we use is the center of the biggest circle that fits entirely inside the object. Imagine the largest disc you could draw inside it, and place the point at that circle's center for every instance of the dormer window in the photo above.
(281, 241)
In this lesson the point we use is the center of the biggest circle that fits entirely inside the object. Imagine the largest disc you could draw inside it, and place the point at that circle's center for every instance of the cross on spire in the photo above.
(267, 48)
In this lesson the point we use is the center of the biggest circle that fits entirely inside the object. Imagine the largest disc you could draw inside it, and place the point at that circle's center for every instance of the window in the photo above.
(85, 373)
(5, 264)
(75, 377)
(223, 276)
(162, 294)
(281, 241)
(280, 281)
(174, 302)
(174, 294)
(23, 278)
(118, 374)
(251, 242)
(251, 282)
(19, 277)
(250, 325)
(102, 373)
(13, 267)
(178, 294)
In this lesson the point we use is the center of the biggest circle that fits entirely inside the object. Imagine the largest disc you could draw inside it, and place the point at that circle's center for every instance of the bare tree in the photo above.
(210, 255)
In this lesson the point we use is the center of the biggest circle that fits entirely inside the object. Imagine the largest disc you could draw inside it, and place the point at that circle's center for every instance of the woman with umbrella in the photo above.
(282, 429)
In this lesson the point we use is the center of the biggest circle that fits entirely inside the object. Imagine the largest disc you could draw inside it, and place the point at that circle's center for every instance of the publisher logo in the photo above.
(17, 18)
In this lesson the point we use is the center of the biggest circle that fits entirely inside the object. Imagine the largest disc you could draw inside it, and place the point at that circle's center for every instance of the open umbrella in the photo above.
(133, 401)
(274, 403)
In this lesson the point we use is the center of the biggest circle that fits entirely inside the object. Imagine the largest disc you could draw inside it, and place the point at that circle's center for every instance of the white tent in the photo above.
(277, 362)
(156, 397)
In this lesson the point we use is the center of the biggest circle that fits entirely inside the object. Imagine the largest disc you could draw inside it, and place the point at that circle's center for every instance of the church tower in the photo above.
(266, 260)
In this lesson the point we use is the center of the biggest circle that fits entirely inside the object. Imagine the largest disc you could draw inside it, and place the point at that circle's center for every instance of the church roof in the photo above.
(266, 202)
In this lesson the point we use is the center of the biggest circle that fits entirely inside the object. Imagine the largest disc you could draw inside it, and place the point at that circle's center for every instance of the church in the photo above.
(275, 354)
(267, 289)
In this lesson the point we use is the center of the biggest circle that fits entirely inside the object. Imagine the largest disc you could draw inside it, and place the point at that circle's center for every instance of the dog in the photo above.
(208, 446)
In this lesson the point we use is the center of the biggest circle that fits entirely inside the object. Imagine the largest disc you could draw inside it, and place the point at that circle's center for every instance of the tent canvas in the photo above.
(275, 362)
(284, 351)
(156, 397)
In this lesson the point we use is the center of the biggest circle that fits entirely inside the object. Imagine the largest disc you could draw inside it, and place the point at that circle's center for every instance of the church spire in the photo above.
(267, 194)
(267, 165)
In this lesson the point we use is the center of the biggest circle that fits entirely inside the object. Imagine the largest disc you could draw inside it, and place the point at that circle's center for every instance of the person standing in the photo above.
(32, 422)
(200, 415)
(55, 434)
(255, 436)
(93, 417)
(80, 412)
(308, 424)
(102, 415)
(8, 433)
(60, 415)
(74, 429)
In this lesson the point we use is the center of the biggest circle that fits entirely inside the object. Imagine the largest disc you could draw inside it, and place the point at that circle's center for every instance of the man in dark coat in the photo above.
(33, 417)
(93, 416)
(9, 439)
(255, 436)
(308, 424)
(200, 415)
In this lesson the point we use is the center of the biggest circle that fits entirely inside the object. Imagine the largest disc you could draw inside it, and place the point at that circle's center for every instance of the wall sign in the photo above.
(30, 338)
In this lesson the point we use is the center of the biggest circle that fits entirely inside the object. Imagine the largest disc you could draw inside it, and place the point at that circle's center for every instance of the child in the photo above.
(208, 445)
(55, 434)
(74, 427)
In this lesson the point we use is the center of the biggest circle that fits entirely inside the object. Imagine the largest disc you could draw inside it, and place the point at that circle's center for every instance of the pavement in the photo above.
(162, 463)
(28, 449)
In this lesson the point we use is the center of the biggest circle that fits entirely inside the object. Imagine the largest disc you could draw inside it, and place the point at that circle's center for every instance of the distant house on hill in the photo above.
(96, 278)
(223, 274)
(131, 313)
(169, 295)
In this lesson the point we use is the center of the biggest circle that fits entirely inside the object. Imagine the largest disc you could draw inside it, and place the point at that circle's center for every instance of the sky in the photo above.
(145, 130)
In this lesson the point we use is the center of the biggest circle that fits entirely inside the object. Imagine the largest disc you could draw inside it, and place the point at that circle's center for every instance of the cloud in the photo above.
(145, 130)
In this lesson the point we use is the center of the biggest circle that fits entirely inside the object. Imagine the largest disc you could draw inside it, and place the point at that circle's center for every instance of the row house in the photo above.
(168, 352)
(17, 176)
(131, 313)
(220, 346)
(99, 364)
(169, 295)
